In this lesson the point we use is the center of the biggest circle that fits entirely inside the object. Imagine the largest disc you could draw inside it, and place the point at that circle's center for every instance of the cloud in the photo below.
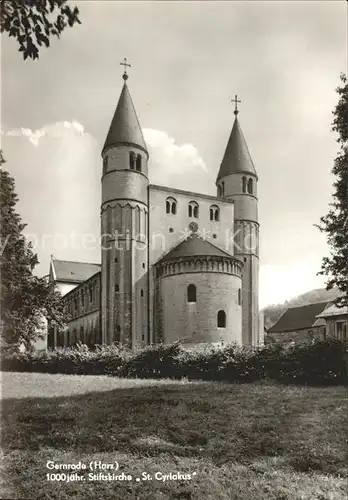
(172, 164)
(55, 130)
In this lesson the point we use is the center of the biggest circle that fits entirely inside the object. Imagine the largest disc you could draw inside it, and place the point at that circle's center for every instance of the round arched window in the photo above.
(191, 293)
(221, 319)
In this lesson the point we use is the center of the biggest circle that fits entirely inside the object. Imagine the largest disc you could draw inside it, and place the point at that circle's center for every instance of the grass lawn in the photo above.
(242, 442)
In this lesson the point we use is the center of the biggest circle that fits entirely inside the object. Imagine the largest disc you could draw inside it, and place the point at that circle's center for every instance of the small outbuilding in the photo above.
(336, 320)
(299, 324)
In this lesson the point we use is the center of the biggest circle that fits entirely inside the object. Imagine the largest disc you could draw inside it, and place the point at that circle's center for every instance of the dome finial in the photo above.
(125, 64)
(236, 101)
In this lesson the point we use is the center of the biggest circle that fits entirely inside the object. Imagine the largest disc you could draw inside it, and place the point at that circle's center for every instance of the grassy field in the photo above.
(242, 442)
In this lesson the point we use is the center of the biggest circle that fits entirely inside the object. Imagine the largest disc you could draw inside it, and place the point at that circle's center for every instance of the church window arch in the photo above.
(239, 296)
(132, 160)
(221, 319)
(191, 293)
(214, 213)
(193, 209)
(250, 186)
(244, 182)
(223, 188)
(138, 163)
(219, 191)
(171, 205)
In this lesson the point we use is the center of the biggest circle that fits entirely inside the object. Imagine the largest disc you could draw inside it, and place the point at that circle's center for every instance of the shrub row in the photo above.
(320, 363)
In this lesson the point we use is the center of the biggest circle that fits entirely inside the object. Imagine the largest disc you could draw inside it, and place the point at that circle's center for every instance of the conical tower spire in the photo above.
(237, 158)
(125, 127)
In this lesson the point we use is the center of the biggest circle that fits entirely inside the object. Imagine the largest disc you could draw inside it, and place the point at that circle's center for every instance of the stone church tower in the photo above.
(124, 228)
(237, 182)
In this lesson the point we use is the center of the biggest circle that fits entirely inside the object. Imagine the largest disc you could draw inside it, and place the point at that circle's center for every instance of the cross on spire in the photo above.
(125, 64)
(236, 101)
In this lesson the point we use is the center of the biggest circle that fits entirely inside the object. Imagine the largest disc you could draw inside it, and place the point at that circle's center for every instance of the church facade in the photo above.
(175, 264)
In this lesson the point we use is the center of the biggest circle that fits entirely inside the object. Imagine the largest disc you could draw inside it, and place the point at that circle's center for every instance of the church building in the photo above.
(175, 264)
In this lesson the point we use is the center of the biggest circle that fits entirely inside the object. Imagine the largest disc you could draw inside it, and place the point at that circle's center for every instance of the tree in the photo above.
(34, 22)
(25, 299)
(335, 223)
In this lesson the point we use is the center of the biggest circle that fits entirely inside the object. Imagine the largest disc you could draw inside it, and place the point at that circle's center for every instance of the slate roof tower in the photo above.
(237, 182)
(124, 227)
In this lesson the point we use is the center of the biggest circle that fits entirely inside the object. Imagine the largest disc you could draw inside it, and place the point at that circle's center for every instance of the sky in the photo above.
(188, 59)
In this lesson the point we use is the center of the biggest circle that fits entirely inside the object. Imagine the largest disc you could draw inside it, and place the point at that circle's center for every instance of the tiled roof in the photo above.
(74, 272)
(298, 318)
(125, 127)
(333, 311)
(194, 246)
(237, 158)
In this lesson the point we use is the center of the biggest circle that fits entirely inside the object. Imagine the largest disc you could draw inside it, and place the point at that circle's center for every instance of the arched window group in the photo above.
(221, 319)
(191, 293)
(248, 185)
(171, 206)
(135, 161)
(193, 209)
(214, 213)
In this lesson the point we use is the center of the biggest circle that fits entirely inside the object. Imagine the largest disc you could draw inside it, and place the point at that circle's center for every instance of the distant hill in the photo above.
(273, 312)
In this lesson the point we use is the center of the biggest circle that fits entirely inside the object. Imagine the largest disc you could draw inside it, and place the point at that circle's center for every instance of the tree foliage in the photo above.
(335, 223)
(34, 22)
(25, 299)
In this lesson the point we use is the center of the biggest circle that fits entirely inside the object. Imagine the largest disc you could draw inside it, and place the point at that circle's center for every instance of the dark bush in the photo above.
(78, 360)
(157, 361)
(319, 363)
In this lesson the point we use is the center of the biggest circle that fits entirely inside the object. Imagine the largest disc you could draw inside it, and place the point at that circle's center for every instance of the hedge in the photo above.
(319, 363)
